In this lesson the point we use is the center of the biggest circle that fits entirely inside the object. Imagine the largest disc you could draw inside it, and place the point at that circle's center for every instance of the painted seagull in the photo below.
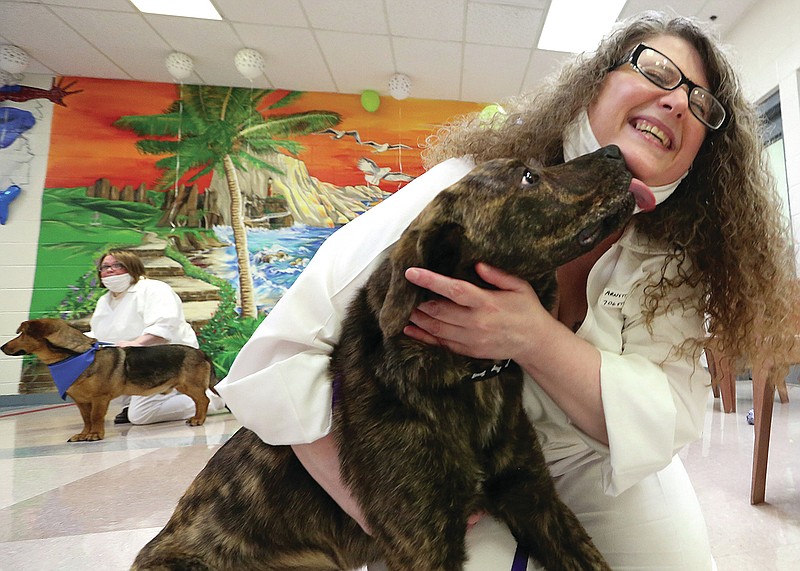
(374, 174)
(377, 147)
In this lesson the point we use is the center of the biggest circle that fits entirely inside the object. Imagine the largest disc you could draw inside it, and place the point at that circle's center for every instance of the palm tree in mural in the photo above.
(224, 129)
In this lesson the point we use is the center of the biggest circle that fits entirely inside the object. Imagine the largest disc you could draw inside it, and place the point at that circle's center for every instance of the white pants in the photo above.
(170, 406)
(655, 525)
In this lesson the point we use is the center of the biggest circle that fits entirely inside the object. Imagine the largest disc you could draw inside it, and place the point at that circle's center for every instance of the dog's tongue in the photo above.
(645, 199)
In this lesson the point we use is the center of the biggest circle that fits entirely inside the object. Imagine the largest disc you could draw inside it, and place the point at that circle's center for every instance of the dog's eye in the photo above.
(529, 177)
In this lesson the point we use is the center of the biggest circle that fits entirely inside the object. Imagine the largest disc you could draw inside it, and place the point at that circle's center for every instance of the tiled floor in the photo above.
(77, 507)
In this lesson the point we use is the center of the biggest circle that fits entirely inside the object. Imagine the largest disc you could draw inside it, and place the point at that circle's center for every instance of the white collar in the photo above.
(579, 140)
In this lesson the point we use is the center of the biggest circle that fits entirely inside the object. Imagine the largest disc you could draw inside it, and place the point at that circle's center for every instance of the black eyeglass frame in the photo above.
(633, 60)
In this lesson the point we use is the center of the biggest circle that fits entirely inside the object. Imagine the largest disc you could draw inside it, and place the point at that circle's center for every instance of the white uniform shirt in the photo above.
(148, 306)
(278, 386)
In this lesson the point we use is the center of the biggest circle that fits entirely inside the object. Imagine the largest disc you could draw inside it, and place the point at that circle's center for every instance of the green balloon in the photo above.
(490, 111)
(370, 100)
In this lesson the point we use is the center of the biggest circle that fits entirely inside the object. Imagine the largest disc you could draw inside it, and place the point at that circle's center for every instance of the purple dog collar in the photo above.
(520, 562)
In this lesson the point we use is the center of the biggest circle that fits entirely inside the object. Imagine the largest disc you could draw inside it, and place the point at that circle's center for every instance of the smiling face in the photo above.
(655, 129)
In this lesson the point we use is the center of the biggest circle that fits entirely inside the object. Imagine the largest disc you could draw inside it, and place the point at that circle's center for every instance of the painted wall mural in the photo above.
(226, 193)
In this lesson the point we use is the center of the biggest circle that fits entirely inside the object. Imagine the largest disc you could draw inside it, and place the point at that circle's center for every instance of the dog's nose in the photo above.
(611, 152)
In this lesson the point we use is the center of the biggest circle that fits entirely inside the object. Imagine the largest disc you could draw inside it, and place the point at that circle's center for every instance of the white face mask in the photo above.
(118, 283)
(580, 140)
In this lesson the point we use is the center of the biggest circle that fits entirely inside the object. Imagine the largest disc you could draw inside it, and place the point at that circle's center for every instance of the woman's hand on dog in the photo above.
(144, 340)
(511, 323)
(476, 322)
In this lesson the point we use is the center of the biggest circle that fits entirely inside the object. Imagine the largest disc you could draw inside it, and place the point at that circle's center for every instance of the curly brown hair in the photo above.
(724, 217)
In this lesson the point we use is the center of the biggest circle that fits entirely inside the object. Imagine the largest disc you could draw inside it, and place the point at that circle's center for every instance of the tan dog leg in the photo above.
(201, 402)
(97, 418)
(86, 414)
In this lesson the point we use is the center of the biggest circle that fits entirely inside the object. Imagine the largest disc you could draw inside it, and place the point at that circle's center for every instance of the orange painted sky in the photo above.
(85, 146)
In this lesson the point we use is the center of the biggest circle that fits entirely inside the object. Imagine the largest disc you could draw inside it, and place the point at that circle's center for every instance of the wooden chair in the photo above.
(765, 381)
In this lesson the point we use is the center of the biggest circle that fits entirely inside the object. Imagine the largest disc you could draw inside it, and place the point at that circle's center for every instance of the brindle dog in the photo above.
(115, 371)
(423, 445)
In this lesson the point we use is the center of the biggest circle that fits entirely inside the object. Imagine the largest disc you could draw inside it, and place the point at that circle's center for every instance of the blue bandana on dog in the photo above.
(67, 371)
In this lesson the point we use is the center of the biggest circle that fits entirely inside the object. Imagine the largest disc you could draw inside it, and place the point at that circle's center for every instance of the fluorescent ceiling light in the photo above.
(578, 25)
(185, 8)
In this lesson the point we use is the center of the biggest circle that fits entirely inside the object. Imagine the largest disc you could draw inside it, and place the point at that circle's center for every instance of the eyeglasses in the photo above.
(663, 72)
(114, 266)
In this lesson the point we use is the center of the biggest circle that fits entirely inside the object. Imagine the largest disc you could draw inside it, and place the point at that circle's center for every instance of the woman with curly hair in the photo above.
(613, 385)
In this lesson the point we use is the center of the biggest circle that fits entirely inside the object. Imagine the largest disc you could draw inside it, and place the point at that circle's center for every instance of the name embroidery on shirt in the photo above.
(613, 299)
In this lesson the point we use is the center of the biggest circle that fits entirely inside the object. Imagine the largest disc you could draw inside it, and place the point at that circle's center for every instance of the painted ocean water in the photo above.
(277, 257)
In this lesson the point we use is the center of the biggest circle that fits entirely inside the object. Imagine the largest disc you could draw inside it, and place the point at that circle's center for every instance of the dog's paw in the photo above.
(85, 437)
(195, 421)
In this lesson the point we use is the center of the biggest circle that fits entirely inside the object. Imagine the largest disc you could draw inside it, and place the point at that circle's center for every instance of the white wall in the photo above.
(23, 163)
(767, 52)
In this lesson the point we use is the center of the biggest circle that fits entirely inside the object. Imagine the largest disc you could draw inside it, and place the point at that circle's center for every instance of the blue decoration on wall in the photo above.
(6, 197)
(14, 122)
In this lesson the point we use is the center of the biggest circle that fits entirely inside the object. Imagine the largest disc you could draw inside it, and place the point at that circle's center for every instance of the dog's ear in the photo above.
(440, 248)
(437, 248)
(62, 335)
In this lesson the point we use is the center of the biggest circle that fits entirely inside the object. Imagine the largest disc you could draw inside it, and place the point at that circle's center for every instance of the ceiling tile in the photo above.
(540, 4)
(726, 12)
(542, 64)
(511, 26)
(357, 61)
(44, 37)
(190, 36)
(492, 73)
(115, 5)
(273, 12)
(132, 35)
(319, 45)
(361, 16)
(444, 19)
(438, 74)
(34, 65)
(293, 59)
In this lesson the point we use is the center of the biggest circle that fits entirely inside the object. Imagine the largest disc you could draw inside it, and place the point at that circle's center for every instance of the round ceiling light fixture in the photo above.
(13, 60)
(179, 65)
(249, 63)
(399, 86)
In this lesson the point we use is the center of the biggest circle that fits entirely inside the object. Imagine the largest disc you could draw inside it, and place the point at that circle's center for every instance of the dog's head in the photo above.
(51, 340)
(522, 219)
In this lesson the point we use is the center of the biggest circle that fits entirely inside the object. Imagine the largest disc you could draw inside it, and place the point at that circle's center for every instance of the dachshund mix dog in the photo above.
(115, 371)
(426, 437)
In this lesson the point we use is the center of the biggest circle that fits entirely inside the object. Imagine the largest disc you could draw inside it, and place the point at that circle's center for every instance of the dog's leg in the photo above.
(425, 552)
(255, 507)
(201, 401)
(410, 525)
(525, 497)
(94, 418)
(86, 414)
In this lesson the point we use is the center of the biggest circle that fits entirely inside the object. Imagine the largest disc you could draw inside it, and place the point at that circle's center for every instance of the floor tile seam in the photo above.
(30, 411)
(52, 450)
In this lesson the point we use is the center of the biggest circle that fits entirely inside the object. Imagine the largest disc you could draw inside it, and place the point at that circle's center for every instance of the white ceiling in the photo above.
(471, 50)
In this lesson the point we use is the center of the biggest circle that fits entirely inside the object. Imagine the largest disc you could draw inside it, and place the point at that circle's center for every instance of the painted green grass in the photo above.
(75, 229)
